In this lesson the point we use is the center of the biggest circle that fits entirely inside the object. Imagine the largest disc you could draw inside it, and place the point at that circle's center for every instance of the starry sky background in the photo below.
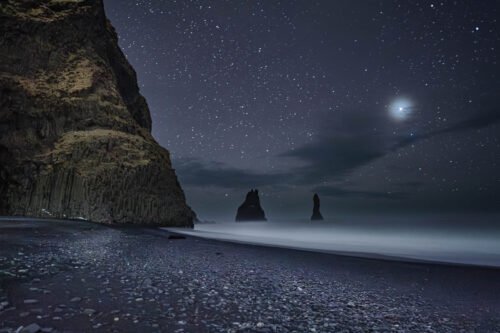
(378, 106)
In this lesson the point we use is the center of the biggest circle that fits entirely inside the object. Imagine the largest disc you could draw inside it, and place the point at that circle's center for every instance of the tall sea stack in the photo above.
(316, 215)
(75, 133)
(250, 209)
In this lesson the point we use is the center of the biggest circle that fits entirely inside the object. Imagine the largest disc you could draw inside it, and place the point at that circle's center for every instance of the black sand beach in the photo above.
(78, 277)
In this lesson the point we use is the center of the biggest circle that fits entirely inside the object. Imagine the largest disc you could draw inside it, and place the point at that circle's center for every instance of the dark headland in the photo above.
(75, 139)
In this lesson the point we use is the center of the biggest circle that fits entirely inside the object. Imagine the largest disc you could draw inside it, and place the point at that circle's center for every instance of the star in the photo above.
(400, 109)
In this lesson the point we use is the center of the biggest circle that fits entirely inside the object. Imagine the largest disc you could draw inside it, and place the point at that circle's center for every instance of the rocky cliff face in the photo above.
(75, 133)
(250, 209)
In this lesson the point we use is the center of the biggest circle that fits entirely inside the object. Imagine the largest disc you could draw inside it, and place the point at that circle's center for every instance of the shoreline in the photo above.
(230, 238)
(278, 243)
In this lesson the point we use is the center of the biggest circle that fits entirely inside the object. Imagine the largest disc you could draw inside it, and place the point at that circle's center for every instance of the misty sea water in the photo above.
(470, 240)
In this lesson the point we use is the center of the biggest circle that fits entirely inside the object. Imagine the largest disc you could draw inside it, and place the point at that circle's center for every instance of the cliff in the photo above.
(250, 209)
(75, 133)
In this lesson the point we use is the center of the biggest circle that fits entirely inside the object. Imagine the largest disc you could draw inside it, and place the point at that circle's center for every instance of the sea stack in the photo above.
(316, 215)
(250, 209)
(75, 137)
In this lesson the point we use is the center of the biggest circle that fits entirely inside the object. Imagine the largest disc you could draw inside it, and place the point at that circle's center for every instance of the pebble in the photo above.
(3, 305)
(89, 312)
(30, 301)
(31, 328)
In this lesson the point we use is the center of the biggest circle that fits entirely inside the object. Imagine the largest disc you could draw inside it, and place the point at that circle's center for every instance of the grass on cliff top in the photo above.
(93, 151)
(42, 10)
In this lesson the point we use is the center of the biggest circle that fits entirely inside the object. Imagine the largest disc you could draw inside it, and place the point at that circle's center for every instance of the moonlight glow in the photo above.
(401, 109)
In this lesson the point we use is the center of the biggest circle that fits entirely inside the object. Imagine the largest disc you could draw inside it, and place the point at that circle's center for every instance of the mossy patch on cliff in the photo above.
(41, 10)
(92, 151)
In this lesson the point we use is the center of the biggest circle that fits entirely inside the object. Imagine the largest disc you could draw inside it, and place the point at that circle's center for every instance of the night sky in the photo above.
(378, 106)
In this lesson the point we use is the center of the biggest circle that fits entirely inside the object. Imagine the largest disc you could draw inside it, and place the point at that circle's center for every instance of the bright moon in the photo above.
(400, 109)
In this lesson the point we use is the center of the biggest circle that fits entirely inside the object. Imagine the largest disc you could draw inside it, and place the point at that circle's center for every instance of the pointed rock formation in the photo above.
(250, 209)
(316, 215)
(75, 133)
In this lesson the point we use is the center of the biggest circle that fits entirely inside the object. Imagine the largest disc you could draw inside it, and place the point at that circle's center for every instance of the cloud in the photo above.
(351, 146)
(333, 191)
(481, 120)
(410, 183)
(338, 154)
(196, 173)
